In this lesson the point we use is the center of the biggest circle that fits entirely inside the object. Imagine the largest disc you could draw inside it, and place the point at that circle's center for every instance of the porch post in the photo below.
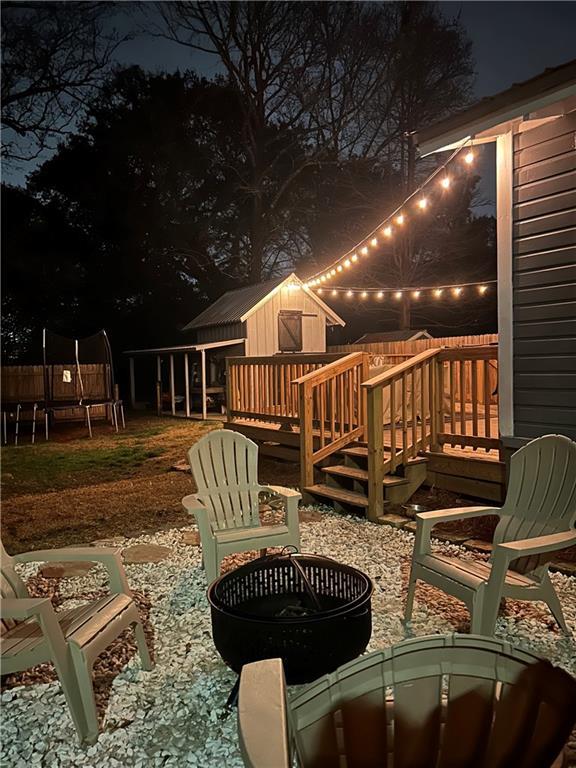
(203, 358)
(132, 384)
(187, 384)
(172, 397)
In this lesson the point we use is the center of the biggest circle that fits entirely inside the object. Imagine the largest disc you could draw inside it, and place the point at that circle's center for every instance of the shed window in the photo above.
(289, 331)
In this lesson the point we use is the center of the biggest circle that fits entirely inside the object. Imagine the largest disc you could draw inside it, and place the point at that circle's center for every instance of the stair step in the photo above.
(355, 451)
(361, 474)
(339, 494)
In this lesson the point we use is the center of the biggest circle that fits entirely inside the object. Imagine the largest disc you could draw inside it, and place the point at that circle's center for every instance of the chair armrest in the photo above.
(279, 490)
(262, 715)
(21, 608)
(194, 506)
(290, 499)
(425, 521)
(537, 546)
(110, 558)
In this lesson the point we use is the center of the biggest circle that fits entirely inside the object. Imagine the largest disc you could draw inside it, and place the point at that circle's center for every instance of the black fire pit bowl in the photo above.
(311, 611)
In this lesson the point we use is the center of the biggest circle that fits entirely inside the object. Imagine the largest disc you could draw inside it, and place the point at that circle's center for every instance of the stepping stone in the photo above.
(479, 544)
(397, 521)
(410, 526)
(192, 538)
(309, 516)
(564, 567)
(180, 466)
(67, 569)
(145, 553)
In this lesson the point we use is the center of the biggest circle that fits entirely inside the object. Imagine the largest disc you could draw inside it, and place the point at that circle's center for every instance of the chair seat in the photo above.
(471, 573)
(261, 532)
(79, 625)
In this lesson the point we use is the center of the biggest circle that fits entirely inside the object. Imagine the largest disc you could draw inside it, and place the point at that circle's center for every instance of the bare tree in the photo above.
(54, 55)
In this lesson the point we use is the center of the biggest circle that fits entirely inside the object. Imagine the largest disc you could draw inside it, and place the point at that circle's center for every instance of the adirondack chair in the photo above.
(455, 700)
(32, 632)
(536, 521)
(226, 507)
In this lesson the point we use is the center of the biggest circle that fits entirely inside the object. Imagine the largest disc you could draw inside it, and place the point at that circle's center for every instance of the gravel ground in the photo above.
(173, 715)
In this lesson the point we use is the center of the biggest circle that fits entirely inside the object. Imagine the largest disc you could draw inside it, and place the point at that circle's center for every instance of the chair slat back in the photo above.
(436, 701)
(11, 585)
(225, 468)
(541, 495)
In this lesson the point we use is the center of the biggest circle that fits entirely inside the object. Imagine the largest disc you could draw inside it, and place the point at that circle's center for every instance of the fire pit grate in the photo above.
(311, 611)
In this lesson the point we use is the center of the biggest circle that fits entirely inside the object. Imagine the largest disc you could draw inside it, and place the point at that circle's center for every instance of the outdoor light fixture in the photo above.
(423, 204)
(364, 251)
(445, 182)
(387, 231)
(398, 295)
(400, 219)
(374, 242)
(469, 158)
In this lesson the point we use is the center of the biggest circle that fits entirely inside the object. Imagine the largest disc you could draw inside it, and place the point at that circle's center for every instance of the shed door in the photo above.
(290, 331)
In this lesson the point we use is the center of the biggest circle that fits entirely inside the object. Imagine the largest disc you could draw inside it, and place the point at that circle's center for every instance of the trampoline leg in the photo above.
(114, 416)
(5, 425)
(17, 424)
(34, 423)
(122, 415)
(46, 424)
(88, 420)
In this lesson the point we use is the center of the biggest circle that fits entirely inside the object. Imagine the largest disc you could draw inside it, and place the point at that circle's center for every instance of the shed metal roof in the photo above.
(408, 335)
(521, 98)
(233, 305)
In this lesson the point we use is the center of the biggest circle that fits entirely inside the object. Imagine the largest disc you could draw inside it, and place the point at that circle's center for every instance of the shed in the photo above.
(534, 127)
(280, 315)
(384, 336)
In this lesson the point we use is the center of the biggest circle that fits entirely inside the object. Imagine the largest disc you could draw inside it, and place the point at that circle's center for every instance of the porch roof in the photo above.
(184, 348)
(531, 98)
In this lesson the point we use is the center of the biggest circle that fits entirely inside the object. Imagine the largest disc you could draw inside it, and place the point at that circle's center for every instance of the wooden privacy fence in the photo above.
(332, 407)
(25, 384)
(410, 348)
(264, 388)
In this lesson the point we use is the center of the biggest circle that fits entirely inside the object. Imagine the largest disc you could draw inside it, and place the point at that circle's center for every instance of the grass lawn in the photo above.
(75, 490)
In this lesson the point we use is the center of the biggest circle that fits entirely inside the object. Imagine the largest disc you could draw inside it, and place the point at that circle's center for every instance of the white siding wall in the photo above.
(262, 326)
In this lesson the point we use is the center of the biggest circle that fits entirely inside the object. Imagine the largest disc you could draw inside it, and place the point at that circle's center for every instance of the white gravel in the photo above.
(172, 716)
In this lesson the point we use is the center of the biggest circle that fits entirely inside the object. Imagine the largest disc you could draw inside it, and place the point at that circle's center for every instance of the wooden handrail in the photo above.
(397, 370)
(330, 370)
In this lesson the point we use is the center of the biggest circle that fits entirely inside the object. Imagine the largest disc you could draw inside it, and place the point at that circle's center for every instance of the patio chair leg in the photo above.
(88, 420)
(17, 424)
(143, 649)
(551, 597)
(34, 423)
(410, 597)
(83, 674)
(69, 683)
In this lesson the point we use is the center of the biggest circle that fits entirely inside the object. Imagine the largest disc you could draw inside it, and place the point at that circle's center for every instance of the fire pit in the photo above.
(311, 611)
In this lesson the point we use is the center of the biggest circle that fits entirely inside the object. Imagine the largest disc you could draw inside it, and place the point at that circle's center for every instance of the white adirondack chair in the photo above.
(32, 632)
(226, 507)
(537, 520)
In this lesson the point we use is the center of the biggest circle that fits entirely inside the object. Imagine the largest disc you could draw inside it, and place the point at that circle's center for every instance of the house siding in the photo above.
(544, 279)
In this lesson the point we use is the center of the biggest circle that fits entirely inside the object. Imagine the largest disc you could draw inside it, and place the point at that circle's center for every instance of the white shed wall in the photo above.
(262, 326)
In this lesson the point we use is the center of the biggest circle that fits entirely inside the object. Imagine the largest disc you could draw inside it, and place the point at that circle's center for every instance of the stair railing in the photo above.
(403, 404)
(332, 410)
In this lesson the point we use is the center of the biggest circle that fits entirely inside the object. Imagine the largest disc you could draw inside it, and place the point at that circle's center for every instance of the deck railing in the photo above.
(263, 388)
(332, 407)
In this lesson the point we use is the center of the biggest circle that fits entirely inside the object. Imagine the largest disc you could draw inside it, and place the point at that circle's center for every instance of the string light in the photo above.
(347, 263)
(423, 204)
(416, 294)
(334, 292)
(320, 290)
(400, 219)
(387, 231)
(445, 182)
(456, 291)
(469, 158)
(354, 257)
(438, 292)
(374, 242)
(380, 294)
(364, 251)
(398, 295)
(364, 294)
(323, 278)
(482, 289)
(349, 293)
(339, 268)
(432, 292)
(332, 272)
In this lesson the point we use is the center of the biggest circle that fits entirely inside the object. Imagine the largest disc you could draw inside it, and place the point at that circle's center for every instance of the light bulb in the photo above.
(387, 231)
(305, 285)
(469, 158)
(328, 275)
(323, 278)
(445, 182)
(374, 242)
(349, 293)
(319, 290)
(398, 295)
(380, 294)
(482, 289)
(400, 219)
(364, 294)
(347, 263)
(364, 251)
(332, 272)
(423, 204)
(334, 292)
(354, 257)
(438, 292)
(339, 268)
(457, 291)
(416, 294)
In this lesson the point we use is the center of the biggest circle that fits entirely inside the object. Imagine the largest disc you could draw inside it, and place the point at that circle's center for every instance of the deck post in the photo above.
(187, 384)
(365, 374)
(172, 396)
(132, 384)
(375, 431)
(203, 358)
(159, 385)
(306, 437)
